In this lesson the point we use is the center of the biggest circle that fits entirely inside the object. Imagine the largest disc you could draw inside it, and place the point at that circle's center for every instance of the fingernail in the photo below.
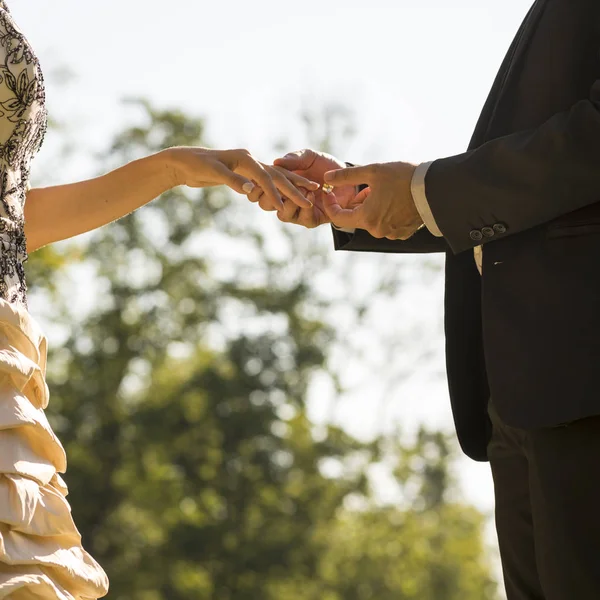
(311, 198)
(315, 185)
(329, 176)
(248, 187)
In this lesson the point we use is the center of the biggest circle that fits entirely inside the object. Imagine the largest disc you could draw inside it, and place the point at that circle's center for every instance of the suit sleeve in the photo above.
(519, 181)
(361, 241)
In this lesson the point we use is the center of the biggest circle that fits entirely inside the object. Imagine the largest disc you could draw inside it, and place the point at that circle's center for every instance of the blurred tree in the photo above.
(423, 546)
(180, 396)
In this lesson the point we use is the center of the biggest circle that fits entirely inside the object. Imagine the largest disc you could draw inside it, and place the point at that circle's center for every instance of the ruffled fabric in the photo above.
(41, 556)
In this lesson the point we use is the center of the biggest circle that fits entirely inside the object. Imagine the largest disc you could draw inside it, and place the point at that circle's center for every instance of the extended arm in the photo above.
(64, 211)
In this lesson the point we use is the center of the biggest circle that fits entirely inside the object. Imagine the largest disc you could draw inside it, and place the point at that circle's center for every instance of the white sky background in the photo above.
(416, 74)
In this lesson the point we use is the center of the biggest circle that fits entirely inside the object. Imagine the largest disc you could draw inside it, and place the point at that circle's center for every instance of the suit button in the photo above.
(500, 228)
(488, 232)
(476, 235)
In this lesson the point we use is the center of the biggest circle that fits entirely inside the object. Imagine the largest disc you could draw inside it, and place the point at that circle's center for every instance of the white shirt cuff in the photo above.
(344, 229)
(417, 188)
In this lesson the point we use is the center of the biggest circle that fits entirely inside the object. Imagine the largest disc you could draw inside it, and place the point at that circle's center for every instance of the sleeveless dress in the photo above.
(41, 556)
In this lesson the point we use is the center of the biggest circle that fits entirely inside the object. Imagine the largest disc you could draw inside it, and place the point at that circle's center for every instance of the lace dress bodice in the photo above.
(23, 122)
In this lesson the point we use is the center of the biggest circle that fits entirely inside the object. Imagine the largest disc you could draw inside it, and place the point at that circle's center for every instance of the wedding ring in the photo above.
(327, 188)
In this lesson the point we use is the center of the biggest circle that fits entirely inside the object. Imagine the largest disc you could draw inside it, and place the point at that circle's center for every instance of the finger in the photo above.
(350, 176)
(361, 196)
(238, 183)
(251, 167)
(311, 218)
(256, 194)
(266, 204)
(297, 161)
(290, 212)
(288, 190)
(342, 217)
(298, 180)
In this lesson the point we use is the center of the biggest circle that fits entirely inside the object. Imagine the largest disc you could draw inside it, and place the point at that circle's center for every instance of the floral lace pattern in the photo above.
(23, 122)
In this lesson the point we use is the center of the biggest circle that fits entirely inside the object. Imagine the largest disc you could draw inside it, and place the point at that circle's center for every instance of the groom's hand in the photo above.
(313, 165)
(385, 209)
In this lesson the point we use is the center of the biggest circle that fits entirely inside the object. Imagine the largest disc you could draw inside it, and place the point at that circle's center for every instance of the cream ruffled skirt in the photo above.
(41, 557)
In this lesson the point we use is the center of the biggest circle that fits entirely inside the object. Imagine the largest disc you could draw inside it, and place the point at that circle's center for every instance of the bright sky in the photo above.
(415, 72)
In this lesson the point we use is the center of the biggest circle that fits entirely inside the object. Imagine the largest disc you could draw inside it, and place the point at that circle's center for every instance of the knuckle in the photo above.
(247, 159)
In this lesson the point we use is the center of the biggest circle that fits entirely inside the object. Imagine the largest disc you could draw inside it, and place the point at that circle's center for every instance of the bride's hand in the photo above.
(238, 169)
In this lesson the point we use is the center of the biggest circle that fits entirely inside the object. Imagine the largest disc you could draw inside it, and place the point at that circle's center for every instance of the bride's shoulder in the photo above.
(10, 32)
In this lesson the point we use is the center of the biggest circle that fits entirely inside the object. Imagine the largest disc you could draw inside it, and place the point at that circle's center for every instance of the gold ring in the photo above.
(327, 188)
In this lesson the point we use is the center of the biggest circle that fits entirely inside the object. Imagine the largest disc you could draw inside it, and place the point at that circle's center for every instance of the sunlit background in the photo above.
(400, 80)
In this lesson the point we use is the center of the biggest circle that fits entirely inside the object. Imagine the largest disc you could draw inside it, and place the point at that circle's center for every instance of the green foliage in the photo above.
(180, 396)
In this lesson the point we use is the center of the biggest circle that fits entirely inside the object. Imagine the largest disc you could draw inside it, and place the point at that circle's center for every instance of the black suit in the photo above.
(527, 333)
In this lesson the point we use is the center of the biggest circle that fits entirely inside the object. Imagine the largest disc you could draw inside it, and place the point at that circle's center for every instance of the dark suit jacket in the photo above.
(527, 332)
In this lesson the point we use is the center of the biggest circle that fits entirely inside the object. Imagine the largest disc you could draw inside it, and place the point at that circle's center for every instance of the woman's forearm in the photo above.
(63, 211)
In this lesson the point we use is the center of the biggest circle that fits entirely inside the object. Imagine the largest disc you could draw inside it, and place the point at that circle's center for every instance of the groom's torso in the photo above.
(535, 314)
